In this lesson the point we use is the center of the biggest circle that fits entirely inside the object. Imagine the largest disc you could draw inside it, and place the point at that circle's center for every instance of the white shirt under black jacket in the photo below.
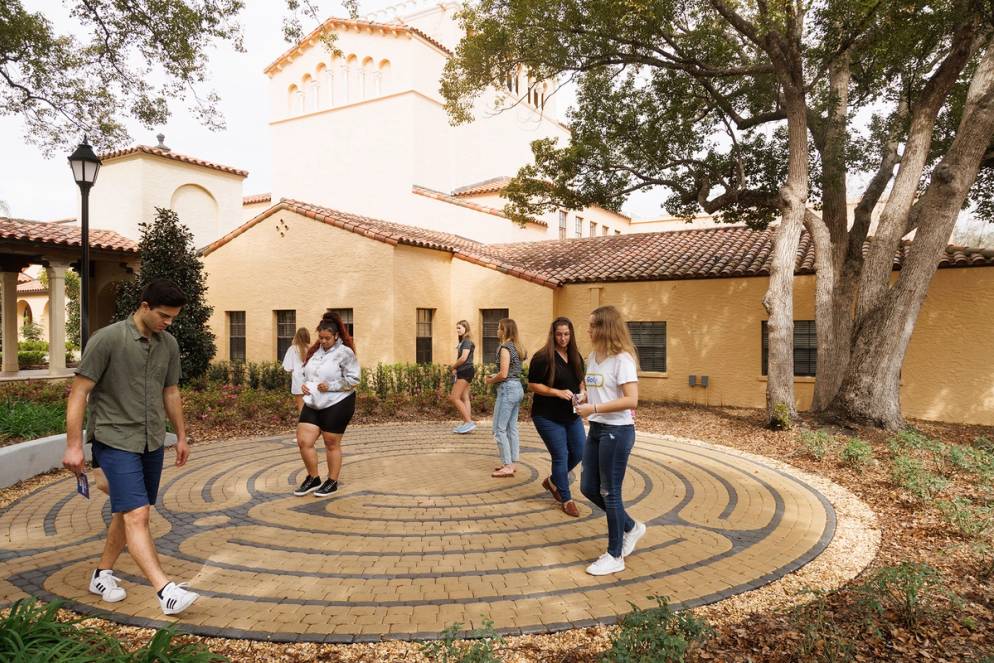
(604, 380)
(338, 368)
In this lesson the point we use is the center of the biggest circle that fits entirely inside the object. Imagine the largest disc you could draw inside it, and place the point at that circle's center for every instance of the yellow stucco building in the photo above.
(693, 297)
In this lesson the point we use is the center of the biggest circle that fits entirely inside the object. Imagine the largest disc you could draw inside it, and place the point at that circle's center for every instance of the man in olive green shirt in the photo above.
(129, 373)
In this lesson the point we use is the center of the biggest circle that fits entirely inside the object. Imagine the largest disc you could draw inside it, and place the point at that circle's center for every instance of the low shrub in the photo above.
(857, 454)
(912, 439)
(656, 635)
(984, 444)
(822, 637)
(910, 590)
(815, 444)
(32, 631)
(971, 520)
(32, 346)
(26, 420)
(449, 650)
(780, 418)
(910, 474)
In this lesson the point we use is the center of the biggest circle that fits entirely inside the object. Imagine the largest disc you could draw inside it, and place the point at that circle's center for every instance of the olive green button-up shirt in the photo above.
(126, 409)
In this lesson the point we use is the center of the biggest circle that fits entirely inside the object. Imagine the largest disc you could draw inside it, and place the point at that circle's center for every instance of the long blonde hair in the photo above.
(301, 341)
(510, 329)
(610, 333)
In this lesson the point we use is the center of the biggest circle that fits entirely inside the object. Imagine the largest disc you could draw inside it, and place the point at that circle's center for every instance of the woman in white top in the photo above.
(293, 363)
(612, 393)
(331, 373)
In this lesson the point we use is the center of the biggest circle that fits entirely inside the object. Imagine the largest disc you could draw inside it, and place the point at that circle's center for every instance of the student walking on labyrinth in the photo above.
(331, 373)
(293, 363)
(128, 380)
(463, 373)
(612, 394)
(509, 395)
(555, 376)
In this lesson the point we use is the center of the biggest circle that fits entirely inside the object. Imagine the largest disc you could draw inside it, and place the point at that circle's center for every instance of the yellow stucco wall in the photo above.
(713, 328)
(475, 287)
(310, 267)
(421, 280)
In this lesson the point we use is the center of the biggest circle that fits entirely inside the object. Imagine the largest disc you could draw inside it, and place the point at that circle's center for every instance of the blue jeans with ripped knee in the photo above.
(605, 459)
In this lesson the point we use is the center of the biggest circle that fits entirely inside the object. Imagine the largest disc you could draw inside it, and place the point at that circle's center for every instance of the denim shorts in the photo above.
(132, 478)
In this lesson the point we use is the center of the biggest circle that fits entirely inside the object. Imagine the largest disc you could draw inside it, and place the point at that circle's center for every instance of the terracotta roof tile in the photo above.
(684, 254)
(60, 234)
(446, 198)
(169, 154)
(32, 287)
(391, 233)
(257, 198)
(486, 186)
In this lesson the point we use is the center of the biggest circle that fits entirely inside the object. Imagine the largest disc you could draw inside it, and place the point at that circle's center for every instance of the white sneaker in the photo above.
(632, 537)
(606, 564)
(176, 598)
(106, 587)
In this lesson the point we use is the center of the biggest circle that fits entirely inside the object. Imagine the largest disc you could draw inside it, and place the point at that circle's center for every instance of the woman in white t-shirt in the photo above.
(293, 363)
(612, 393)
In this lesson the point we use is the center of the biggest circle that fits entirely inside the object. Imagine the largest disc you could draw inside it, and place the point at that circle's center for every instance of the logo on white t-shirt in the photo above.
(595, 380)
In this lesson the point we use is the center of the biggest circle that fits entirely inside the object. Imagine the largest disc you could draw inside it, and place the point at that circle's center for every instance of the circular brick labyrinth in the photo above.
(419, 537)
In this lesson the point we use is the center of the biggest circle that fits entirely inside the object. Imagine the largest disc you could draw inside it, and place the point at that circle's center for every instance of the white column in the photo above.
(8, 280)
(56, 317)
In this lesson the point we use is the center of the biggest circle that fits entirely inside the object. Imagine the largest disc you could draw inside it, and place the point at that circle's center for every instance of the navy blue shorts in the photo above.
(132, 478)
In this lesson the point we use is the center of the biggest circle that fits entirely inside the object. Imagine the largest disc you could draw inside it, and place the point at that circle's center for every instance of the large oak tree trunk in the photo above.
(870, 391)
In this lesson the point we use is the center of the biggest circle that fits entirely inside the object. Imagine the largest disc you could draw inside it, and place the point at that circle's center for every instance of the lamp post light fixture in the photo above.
(85, 166)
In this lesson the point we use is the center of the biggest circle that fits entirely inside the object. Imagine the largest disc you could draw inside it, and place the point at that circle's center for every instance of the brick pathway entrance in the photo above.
(419, 537)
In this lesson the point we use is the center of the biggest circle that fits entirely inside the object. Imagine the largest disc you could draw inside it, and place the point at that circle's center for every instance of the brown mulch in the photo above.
(909, 532)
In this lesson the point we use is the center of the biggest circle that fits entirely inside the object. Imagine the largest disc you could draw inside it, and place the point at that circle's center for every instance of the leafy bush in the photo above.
(910, 590)
(857, 454)
(972, 520)
(912, 439)
(823, 639)
(448, 650)
(33, 632)
(30, 358)
(656, 635)
(910, 474)
(167, 251)
(780, 418)
(26, 420)
(984, 444)
(33, 346)
(815, 443)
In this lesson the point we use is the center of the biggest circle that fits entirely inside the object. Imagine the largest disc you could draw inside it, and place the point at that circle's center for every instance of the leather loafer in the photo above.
(570, 509)
(551, 487)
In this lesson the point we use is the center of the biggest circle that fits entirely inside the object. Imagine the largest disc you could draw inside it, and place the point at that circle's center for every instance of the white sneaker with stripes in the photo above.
(104, 584)
(176, 598)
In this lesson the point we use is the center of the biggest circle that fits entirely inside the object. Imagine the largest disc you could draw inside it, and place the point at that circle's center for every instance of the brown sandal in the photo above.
(570, 509)
(502, 473)
(551, 487)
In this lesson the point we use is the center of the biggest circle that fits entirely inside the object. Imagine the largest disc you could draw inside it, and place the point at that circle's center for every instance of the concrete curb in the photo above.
(26, 459)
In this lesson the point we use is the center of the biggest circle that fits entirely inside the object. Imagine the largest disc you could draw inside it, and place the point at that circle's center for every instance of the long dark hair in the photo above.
(572, 352)
(331, 321)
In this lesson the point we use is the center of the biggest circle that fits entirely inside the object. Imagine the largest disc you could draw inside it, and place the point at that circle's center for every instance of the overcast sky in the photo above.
(34, 187)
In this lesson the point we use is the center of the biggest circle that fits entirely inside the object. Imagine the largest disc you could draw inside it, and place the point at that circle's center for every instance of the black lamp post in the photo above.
(85, 166)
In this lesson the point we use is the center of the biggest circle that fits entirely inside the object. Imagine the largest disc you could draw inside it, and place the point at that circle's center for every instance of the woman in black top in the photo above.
(555, 376)
(463, 373)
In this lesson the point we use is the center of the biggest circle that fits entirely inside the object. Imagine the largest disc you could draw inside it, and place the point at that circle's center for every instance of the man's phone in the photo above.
(83, 485)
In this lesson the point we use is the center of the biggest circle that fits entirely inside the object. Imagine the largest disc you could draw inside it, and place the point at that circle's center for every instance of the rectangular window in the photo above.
(650, 341)
(617, 232)
(562, 224)
(236, 336)
(805, 348)
(593, 229)
(346, 315)
(286, 327)
(605, 231)
(579, 226)
(423, 335)
(491, 317)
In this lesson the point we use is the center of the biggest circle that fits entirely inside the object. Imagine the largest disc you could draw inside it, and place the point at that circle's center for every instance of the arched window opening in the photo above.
(384, 78)
(353, 92)
(293, 96)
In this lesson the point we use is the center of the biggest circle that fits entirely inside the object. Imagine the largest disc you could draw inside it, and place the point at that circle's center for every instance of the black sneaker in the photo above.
(327, 488)
(310, 484)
